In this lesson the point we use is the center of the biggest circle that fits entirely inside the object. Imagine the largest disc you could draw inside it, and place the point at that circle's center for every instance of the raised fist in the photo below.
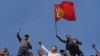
(19, 30)
(40, 42)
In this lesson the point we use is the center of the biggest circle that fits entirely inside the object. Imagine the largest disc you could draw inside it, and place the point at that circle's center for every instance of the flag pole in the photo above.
(56, 27)
(55, 20)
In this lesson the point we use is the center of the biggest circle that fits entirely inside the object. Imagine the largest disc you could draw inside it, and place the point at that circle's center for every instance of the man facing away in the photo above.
(24, 45)
(53, 51)
(72, 45)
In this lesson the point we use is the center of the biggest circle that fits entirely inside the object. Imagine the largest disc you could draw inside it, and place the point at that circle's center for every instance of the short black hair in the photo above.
(26, 35)
(61, 51)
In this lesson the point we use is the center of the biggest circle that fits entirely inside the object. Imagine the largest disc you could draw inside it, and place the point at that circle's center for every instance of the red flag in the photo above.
(65, 10)
(59, 13)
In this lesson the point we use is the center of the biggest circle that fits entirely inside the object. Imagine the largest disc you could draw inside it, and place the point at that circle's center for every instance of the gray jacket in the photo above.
(24, 42)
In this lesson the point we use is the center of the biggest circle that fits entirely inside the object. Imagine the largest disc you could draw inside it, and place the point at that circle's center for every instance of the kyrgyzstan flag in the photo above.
(65, 10)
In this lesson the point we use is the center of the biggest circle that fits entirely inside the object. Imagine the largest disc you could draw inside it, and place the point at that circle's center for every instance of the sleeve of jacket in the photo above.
(29, 45)
(19, 38)
(44, 48)
(64, 41)
(78, 42)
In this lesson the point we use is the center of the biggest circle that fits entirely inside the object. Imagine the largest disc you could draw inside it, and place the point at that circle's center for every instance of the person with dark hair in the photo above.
(97, 54)
(72, 45)
(24, 45)
(31, 54)
(64, 53)
(40, 52)
(4, 52)
(53, 51)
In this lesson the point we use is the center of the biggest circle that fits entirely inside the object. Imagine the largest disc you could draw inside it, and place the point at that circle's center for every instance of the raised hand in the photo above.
(19, 30)
(40, 42)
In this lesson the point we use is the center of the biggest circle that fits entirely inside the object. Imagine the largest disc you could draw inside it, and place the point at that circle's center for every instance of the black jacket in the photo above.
(68, 43)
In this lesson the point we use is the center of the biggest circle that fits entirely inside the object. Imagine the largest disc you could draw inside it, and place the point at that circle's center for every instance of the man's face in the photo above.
(26, 38)
(40, 52)
(68, 36)
(54, 48)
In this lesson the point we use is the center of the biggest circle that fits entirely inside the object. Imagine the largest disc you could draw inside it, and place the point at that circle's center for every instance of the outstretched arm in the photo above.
(78, 42)
(19, 38)
(43, 47)
(60, 39)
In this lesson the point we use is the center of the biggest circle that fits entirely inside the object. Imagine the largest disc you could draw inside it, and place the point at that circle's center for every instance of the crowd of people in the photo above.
(72, 47)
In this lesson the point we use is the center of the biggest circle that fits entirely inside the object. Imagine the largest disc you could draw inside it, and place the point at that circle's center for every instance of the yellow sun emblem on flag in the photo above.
(60, 13)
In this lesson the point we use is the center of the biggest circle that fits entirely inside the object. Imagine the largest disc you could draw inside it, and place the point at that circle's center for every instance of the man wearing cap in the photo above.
(24, 45)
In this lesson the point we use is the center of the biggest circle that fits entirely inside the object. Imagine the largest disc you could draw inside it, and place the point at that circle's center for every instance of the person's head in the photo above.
(31, 54)
(3, 51)
(68, 36)
(26, 37)
(40, 52)
(53, 48)
(63, 52)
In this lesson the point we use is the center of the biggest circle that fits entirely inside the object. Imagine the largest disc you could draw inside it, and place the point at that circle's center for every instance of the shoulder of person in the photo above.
(44, 55)
(74, 38)
(57, 53)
